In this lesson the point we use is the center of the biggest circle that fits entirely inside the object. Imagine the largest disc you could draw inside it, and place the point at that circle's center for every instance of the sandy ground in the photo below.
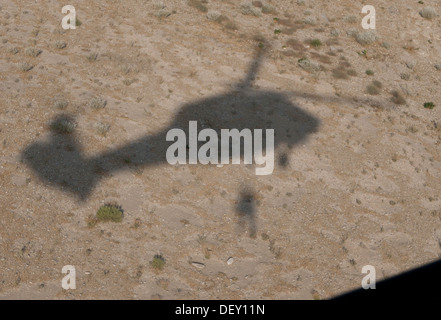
(359, 186)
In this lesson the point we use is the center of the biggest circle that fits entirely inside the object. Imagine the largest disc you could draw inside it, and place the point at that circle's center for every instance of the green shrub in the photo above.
(110, 212)
(158, 262)
(429, 105)
(315, 43)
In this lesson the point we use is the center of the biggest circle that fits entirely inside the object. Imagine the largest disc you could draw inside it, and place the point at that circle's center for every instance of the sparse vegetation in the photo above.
(14, 50)
(198, 4)
(230, 25)
(377, 84)
(362, 53)
(315, 43)
(411, 129)
(110, 212)
(428, 13)
(366, 37)
(410, 65)
(308, 65)
(247, 9)
(25, 67)
(163, 12)
(128, 82)
(77, 22)
(61, 104)
(128, 68)
(313, 84)
(350, 19)
(60, 44)
(429, 105)
(102, 128)
(92, 57)
(32, 52)
(137, 223)
(352, 32)
(97, 103)
(374, 88)
(158, 262)
(398, 98)
(91, 221)
(405, 76)
(214, 16)
(267, 9)
(63, 126)
(340, 74)
(257, 4)
(310, 21)
(334, 33)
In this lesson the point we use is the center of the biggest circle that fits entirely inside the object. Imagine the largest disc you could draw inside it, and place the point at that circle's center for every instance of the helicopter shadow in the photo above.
(61, 162)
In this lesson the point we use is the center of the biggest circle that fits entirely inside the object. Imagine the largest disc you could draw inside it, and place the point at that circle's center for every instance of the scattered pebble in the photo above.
(198, 265)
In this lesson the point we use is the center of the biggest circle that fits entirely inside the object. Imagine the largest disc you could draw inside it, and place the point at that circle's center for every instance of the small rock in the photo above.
(230, 261)
(198, 265)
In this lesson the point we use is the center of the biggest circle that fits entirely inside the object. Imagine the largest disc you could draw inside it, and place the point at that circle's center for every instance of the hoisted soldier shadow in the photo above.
(61, 162)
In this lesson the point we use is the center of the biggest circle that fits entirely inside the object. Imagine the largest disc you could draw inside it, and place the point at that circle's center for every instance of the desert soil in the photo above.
(363, 188)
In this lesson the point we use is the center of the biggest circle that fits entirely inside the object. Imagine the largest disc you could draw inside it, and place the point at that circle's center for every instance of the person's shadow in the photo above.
(61, 162)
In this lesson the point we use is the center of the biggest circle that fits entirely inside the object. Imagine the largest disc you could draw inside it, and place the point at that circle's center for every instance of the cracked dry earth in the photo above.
(361, 188)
